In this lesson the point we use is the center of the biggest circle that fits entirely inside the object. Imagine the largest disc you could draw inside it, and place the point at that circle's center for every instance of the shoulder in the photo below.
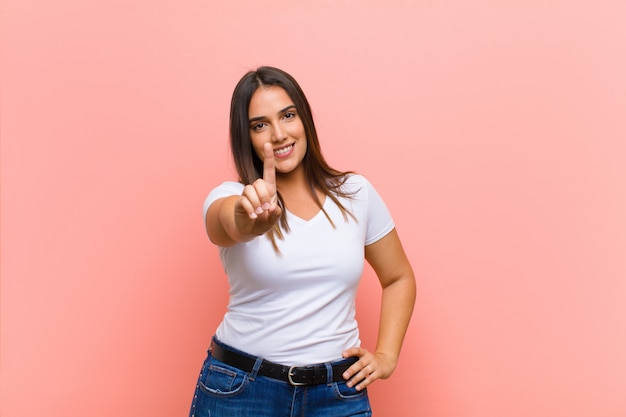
(225, 189)
(228, 188)
(357, 185)
(353, 183)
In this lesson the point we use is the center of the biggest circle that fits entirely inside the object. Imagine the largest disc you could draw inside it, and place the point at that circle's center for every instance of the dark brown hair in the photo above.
(319, 174)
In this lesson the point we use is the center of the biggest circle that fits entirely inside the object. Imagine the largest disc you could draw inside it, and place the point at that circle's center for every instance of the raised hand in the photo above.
(257, 209)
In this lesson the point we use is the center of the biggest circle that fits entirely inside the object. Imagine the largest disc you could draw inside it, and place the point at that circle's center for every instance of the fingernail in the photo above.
(266, 206)
(253, 216)
(259, 210)
(346, 375)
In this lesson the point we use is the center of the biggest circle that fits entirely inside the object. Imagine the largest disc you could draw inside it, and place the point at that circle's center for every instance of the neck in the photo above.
(293, 182)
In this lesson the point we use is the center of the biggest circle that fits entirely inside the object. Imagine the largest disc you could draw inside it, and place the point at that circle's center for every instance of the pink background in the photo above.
(495, 130)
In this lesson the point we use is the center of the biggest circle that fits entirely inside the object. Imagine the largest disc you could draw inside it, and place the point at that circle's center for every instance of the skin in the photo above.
(276, 125)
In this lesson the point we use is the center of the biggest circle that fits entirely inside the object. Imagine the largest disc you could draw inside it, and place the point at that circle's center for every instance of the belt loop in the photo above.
(255, 368)
(329, 374)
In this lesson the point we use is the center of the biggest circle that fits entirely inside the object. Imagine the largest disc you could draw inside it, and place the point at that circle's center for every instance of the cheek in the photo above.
(257, 144)
(298, 131)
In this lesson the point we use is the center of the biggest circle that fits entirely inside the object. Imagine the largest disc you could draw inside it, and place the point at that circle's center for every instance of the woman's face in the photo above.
(274, 119)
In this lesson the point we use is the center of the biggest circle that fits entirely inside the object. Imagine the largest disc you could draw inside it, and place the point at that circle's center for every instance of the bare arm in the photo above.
(390, 263)
(235, 219)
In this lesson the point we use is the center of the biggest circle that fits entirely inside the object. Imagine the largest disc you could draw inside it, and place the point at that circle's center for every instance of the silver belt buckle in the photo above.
(291, 381)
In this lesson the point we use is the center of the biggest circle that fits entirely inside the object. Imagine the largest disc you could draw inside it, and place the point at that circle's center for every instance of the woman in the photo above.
(293, 234)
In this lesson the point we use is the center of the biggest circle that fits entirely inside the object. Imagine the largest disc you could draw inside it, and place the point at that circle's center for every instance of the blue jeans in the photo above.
(225, 391)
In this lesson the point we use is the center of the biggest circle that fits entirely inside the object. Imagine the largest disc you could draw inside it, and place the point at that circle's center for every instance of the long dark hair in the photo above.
(319, 174)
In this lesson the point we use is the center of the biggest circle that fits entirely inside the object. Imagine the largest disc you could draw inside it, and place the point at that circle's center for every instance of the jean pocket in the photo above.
(344, 392)
(222, 380)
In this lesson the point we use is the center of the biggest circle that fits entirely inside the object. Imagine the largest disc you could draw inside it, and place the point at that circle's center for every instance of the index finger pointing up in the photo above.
(269, 166)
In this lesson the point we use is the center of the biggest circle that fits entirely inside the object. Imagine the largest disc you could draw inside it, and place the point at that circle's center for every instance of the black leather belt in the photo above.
(295, 375)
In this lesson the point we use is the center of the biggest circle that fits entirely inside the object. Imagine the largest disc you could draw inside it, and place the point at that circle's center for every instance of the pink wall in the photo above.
(494, 129)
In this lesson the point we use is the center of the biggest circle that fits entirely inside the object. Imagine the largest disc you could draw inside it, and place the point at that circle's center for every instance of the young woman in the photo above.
(293, 234)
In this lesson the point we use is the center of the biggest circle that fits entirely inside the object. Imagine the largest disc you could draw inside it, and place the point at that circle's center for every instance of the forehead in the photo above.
(268, 100)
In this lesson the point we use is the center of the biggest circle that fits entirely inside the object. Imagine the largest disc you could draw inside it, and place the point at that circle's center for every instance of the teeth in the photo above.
(283, 151)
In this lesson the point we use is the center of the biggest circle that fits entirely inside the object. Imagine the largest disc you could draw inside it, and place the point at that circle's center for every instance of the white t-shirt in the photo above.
(297, 307)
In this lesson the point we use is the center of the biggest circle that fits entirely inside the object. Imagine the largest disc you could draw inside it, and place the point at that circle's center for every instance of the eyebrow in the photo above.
(258, 118)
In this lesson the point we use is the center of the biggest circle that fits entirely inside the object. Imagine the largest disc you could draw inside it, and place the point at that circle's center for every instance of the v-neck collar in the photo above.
(300, 220)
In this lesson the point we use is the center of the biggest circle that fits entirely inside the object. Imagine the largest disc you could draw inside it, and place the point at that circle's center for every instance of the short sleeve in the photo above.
(379, 220)
(226, 189)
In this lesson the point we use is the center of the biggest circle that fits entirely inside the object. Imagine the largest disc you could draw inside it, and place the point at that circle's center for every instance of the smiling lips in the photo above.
(283, 152)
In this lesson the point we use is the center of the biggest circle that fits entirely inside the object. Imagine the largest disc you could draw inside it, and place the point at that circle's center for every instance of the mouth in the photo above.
(284, 150)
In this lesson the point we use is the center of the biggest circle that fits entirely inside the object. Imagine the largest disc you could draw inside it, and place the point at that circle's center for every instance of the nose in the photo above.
(278, 134)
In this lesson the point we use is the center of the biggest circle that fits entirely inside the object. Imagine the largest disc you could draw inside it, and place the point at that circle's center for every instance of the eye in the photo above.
(258, 126)
(290, 115)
